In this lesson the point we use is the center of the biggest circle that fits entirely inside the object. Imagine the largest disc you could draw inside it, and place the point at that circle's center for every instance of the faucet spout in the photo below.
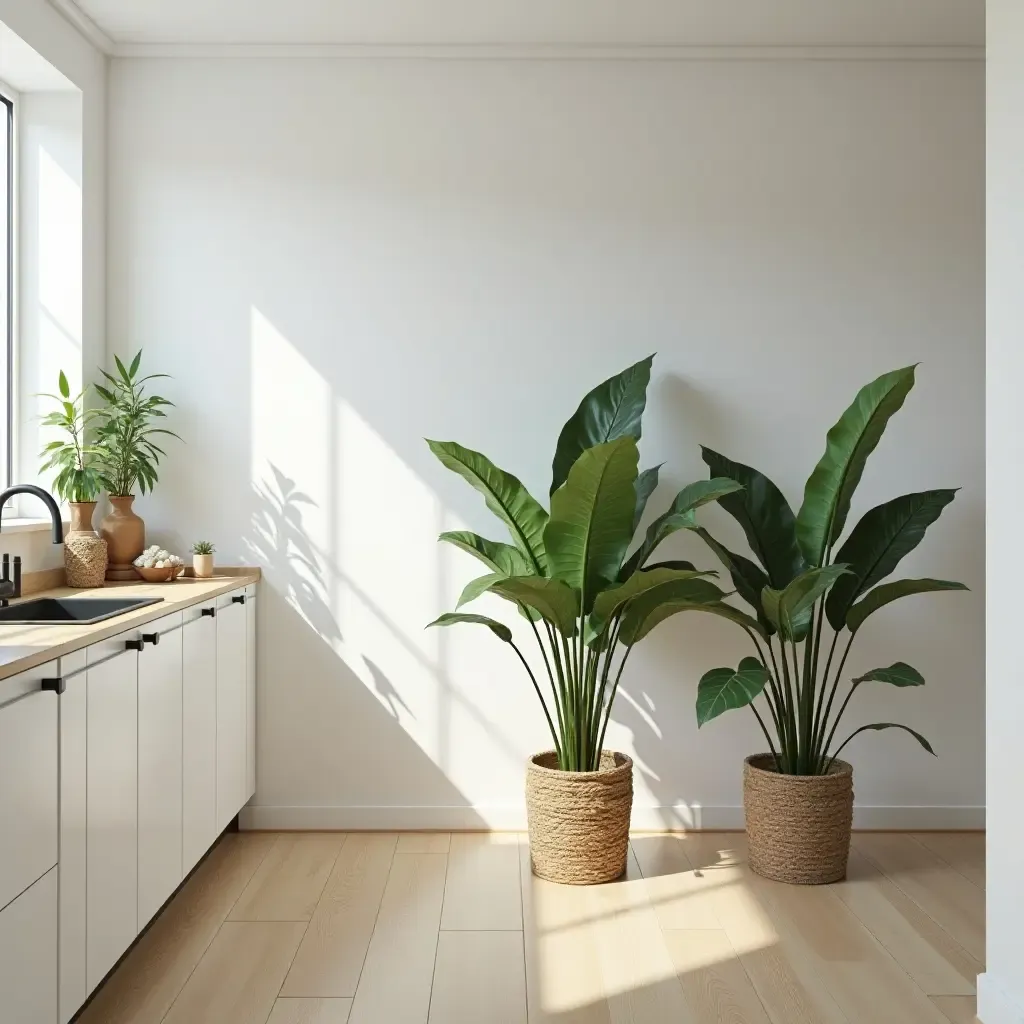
(46, 498)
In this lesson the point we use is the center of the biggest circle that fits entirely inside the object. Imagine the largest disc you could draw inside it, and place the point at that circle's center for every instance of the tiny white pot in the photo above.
(202, 566)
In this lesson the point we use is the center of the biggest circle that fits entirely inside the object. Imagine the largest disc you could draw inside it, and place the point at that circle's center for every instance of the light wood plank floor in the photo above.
(439, 929)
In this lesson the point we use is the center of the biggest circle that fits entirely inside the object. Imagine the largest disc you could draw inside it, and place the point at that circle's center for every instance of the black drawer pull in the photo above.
(151, 638)
(212, 612)
(56, 685)
(240, 599)
(133, 645)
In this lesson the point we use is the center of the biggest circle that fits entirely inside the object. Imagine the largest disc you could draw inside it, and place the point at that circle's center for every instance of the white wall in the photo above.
(337, 258)
(62, 288)
(1001, 989)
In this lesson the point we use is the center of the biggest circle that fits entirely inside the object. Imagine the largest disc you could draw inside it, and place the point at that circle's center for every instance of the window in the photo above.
(6, 287)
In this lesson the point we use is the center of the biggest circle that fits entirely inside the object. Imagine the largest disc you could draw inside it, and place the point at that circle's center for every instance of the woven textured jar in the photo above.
(85, 553)
(798, 826)
(579, 821)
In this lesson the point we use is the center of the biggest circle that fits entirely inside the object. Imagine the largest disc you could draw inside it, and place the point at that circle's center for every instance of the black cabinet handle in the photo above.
(133, 645)
(238, 600)
(212, 612)
(56, 685)
(151, 638)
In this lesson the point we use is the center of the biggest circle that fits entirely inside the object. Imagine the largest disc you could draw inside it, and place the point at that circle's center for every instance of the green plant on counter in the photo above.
(129, 455)
(203, 547)
(801, 582)
(74, 458)
(586, 599)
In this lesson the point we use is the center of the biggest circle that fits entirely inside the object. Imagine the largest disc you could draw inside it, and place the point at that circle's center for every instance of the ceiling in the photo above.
(539, 22)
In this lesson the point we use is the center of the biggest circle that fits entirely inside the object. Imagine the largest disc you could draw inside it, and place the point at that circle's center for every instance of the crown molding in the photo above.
(541, 52)
(85, 25)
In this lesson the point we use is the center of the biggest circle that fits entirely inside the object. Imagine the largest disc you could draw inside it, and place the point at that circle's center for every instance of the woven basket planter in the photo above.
(798, 826)
(579, 821)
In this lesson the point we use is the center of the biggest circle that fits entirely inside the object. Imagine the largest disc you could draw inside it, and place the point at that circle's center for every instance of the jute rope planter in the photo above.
(798, 826)
(579, 821)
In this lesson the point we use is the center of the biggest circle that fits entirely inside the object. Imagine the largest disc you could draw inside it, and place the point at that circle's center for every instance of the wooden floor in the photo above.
(439, 929)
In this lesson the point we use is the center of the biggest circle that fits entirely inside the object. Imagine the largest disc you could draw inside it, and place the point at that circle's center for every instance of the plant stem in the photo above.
(822, 750)
(540, 697)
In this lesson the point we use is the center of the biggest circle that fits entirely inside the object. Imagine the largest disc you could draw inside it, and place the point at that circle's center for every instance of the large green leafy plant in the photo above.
(586, 597)
(129, 427)
(73, 457)
(806, 576)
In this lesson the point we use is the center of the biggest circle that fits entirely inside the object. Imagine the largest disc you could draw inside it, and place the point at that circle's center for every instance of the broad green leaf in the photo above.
(505, 496)
(789, 610)
(591, 520)
(608, 602)
(612, 410)
(848, 444)
(723, 689)
(498, 557)
(676, 563)
(476, 588)
(658, 604)
(879, 541)
(645, 486)
(62, 385)
(748, 578)
(889, 592)
(899, 674)
(499, 629)
(554, 600)
(888, 725)
(765, 516)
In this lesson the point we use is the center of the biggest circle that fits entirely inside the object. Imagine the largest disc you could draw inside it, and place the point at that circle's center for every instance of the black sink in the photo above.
(54, 611)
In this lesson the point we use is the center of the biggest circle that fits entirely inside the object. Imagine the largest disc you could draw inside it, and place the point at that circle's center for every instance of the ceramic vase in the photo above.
(125, 534)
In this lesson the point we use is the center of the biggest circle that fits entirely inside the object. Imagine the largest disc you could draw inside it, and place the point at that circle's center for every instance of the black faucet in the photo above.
(11, 588)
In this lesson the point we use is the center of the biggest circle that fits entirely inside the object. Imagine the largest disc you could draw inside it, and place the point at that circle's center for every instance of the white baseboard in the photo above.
(513, 818)
(995, 1006)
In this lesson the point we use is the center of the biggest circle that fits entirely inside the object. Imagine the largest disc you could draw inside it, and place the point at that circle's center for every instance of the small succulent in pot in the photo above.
(202, 558)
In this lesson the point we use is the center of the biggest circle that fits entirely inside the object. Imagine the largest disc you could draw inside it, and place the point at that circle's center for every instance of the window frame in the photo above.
(8, 112)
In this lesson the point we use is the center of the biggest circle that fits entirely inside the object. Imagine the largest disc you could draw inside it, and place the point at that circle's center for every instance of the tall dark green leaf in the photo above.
(765, 516)
(645, 485)
(723, 689)
(789, 610)
(499, 629)
(554, 600)
(655, 606)
(609, 601)
(889, 592)
(899, 674)
(498, 557)
(591, 520)
(505, 496)
(879, 541)
(612, 410)
(848, 444)
(748, 578)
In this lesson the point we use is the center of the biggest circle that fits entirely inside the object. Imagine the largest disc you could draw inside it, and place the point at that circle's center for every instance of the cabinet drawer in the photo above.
(28, 782)
(28, 955)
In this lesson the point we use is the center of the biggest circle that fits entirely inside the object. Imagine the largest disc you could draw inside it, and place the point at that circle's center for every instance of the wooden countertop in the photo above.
(25, 647)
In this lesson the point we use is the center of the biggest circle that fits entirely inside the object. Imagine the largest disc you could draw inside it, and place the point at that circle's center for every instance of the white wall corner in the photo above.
(995, 1005)
(85, 25)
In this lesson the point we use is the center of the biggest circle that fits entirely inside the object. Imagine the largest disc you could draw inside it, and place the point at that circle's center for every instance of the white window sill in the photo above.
(24, 524)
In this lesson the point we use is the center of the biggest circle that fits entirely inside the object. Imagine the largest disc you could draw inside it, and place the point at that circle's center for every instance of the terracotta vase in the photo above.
(125, 534)
(85, 553)
(202, 566)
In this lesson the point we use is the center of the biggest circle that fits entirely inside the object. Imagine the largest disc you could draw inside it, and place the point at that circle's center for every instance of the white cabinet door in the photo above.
(231, 753)
(199, 734)
(28, 780)
(28, 955)
(250, 691)
(112, 794)
(72, 867)
(160, 764)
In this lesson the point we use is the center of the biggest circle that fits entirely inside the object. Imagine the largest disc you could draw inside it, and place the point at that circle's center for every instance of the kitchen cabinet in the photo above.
(28, 780)
(250, 691)
(28, 954)
(231, 705)
(159, 764)
(112, 792)
(199, 733)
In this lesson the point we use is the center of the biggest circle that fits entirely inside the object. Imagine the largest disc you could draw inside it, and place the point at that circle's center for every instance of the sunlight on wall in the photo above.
(60, 253)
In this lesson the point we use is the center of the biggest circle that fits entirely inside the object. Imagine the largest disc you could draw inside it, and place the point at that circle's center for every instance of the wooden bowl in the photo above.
(164, 575)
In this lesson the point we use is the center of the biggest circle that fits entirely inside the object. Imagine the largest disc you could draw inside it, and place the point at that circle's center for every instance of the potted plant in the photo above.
(585, 601)
(129, 457)
(77, 482)
(811, 592)
(202, 559)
